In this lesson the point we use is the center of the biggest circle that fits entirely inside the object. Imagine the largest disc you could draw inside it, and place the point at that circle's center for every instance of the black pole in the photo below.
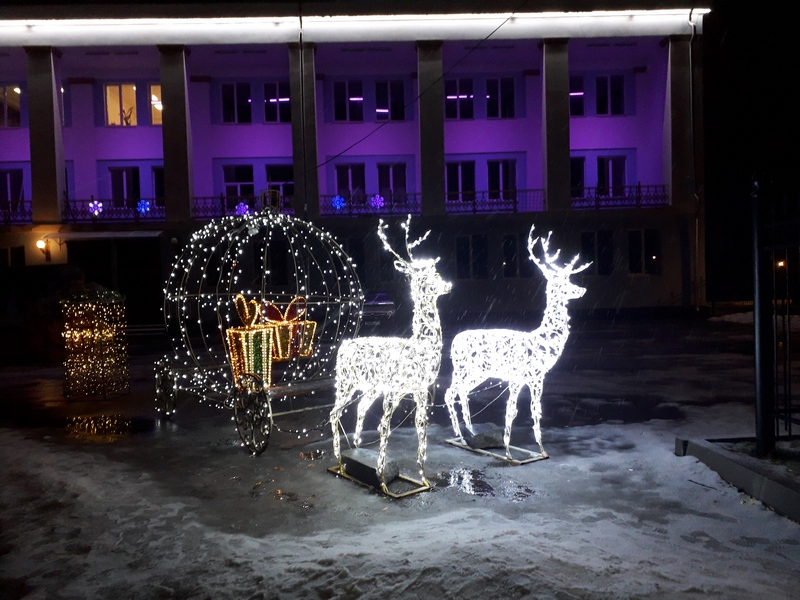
(764, 333)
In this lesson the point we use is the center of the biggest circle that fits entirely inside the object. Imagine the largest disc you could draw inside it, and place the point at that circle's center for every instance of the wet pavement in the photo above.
(101, 498)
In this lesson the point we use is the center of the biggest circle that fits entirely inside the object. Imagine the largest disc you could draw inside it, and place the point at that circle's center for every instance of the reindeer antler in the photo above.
(382, 234)
(549, 259)
(409, 245)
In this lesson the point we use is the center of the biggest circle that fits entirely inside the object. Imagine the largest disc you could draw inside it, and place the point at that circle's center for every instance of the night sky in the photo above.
(752, 122)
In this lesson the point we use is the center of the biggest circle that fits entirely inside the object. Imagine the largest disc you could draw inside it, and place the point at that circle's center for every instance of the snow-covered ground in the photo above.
(183, 512)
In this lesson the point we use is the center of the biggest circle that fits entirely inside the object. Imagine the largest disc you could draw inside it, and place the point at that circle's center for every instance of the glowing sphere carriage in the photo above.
(283, 286)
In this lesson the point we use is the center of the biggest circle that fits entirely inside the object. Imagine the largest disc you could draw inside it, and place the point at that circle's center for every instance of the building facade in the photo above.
(120, 136)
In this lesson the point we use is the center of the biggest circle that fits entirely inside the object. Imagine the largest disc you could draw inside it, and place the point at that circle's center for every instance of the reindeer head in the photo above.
(557, 276)
(425, 279)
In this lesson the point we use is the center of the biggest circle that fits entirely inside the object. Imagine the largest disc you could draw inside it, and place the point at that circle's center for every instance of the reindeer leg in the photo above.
(536, 412)
(363, 406)
(384, 428)
(463, 396)
(342, 398)
(421, 421)
(511, 413)
(450, 397)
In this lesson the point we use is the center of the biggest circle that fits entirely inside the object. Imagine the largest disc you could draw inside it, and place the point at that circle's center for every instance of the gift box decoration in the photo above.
(292, 335)
(250, 346)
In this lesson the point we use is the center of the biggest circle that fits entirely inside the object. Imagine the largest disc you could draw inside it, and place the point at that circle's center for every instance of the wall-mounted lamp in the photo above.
(44, 246)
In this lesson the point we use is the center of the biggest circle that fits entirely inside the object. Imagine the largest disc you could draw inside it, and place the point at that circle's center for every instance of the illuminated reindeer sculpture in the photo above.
(394, 367)
(518, 357)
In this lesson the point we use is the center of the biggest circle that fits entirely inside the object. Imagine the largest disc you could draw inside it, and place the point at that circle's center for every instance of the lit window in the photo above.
(155, 104)
(236, 103)
(458, 99)
(121, 104)
(576, 104)
(10, 102)
(389, 101)
(348, 101)
(500, 98)
(277, 104)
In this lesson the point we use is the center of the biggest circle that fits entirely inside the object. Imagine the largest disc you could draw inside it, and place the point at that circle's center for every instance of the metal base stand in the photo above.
(420, 486)
(528, 456)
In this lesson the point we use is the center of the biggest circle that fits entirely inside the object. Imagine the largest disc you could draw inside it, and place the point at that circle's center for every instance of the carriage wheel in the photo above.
(252, 413)
(165, 389)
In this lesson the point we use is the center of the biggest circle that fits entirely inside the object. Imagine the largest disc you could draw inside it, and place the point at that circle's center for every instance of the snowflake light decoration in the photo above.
(394, 367)
(377, 201)
(242, 209)
(517, 357)
(337, 202)
(143, 207)
(95, 207)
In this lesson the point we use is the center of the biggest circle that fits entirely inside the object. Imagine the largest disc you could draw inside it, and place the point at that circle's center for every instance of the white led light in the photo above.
(394, 367)
(517, 357)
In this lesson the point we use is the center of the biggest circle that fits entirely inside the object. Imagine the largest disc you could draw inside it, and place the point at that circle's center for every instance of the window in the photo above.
(516, 261)
(277, 105)
(460, 181)
(236, 103)
(610, 94)
(348, 101)
(159, 192)
(502, 179)
(500, 98)
(238, 181)
(10, 104)
(597, 247)
(472, 257)
(350, 181)
(354, 247)
(392, 182)
(155, 104)
(577, 177)
(611, 176)
(125, 190)
(644, 252)
(12, 192)
(389, 101)
(576, 106)
(280, 183)
(458, 99)
(121, 104)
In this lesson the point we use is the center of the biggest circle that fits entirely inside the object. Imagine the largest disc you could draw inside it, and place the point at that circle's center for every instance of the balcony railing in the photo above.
(499, 201)
(212, 207)
(351, 205)
(107, 210)
(15, 211)
(620, 196)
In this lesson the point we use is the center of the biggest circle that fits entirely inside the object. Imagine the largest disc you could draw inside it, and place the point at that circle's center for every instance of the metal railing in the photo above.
(350, 205)
(107, 210)
(13, 212)
(498, 201)
(620, 196)
(212, 207)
